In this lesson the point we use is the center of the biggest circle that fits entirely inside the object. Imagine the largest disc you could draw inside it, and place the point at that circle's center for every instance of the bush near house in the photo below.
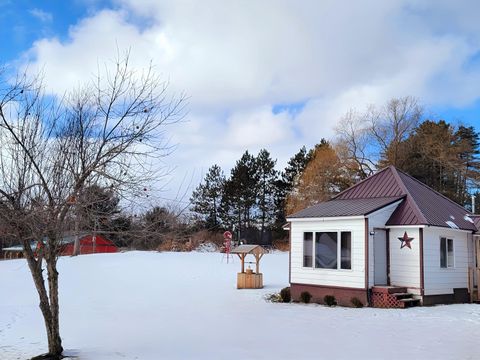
(305, 297)
(356, 302)
(330, 300)
(285, 295)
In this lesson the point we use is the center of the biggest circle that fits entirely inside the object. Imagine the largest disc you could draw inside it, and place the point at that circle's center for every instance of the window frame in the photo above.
(339, 249)
(447, 264)
(311, 255)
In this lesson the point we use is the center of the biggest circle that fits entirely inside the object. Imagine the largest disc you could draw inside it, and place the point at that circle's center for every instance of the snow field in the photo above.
(149, 305)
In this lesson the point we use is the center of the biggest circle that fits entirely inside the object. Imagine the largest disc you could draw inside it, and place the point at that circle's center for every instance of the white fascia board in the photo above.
(396, 203)
(405, 226)
(323, 219)
(427, 227)
(448, 228)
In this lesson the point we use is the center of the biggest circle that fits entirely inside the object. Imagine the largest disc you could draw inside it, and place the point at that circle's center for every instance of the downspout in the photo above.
(290, 254)
(422, 269)
(367, 240)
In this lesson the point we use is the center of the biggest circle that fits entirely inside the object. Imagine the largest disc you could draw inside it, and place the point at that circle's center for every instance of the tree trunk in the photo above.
(54, 340)
(49, 307)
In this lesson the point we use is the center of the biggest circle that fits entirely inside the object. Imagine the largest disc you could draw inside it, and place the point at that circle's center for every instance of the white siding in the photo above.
(405, 263)
(443, 280)
(354, 278)
(377, 220)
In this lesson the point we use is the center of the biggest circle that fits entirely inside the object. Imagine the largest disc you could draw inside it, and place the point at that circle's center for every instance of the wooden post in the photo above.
(477, 249)
(470, 283)
(257, 258)
(242, 258)
(478, 287)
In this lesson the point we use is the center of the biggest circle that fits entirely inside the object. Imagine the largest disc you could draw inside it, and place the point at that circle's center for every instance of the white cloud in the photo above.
(41, 15)
(236, 59)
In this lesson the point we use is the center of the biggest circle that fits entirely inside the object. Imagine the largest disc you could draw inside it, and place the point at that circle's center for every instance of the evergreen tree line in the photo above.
(255, 199)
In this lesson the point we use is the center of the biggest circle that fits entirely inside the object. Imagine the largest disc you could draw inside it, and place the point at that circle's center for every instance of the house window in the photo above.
(307, 249)
(333, 250)
(446, 253)
(326, 252)
(346, 250)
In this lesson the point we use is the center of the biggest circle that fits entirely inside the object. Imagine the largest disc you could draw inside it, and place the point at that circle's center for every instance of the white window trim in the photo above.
(452, 266)
(339, 250)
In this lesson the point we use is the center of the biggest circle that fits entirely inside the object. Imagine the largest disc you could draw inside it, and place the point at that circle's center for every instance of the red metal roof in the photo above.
(421, 205)
(382, 184)
(476, 220)
(347, 207)
(429, 207)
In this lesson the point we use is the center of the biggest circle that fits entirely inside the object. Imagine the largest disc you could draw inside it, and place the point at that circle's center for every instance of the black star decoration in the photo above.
(405, 241)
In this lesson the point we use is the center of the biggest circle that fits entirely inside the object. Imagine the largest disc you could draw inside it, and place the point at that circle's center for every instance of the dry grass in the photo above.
(200, 237)
(281, 245)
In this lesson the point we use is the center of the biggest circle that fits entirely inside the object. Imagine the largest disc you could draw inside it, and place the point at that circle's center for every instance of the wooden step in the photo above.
(389, 289)
(402, 295)
(410, 302)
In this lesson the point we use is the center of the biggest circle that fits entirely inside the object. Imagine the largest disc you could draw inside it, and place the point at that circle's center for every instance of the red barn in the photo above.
(90, 244)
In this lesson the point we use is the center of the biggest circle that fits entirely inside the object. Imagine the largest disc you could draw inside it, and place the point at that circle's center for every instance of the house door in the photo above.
(380, 257)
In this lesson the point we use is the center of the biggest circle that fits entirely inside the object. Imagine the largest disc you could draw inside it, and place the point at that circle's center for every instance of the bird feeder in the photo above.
(247, 279)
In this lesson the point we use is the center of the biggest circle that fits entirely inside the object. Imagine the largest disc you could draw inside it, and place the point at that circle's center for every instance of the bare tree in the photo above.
(392, 124)
(353, 139)
(373, 138)
(108, 133)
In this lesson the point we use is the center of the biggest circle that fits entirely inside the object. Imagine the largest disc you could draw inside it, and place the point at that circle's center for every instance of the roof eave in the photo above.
(326, 218)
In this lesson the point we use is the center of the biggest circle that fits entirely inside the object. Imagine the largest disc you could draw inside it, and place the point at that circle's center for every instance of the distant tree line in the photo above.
(254, 199)
(258, 197)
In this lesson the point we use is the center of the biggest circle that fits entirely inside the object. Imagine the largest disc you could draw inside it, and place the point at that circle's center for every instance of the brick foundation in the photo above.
(459, 296)
(342, 295)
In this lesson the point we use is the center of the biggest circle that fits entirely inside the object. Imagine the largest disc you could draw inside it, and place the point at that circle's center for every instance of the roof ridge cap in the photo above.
(409, 197)
(369, 197)
(435, 191)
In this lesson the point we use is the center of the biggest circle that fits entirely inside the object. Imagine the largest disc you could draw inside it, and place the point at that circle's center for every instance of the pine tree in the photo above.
(442, 158)
(239, 197)
(206, 198)
(288, 181)
(267, 176)
(324, 176)
(467, 143)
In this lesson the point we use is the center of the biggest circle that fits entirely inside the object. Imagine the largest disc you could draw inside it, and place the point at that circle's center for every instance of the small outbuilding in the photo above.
(89, 244)
(388, 241)
(247, 279)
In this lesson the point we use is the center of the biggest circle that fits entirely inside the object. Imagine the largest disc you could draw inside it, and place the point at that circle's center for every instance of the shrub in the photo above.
(305, 297)
(285, 295)
(273, 298)
(356, 302)
(330, 300)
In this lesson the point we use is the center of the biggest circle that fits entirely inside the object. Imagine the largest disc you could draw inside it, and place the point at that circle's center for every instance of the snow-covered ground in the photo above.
(149, 305)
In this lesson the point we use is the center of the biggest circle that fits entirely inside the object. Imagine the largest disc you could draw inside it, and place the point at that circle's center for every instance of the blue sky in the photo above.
(273, 74)
(23, 22)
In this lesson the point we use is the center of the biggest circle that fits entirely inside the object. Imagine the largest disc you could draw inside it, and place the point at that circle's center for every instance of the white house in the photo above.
(389, 241)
